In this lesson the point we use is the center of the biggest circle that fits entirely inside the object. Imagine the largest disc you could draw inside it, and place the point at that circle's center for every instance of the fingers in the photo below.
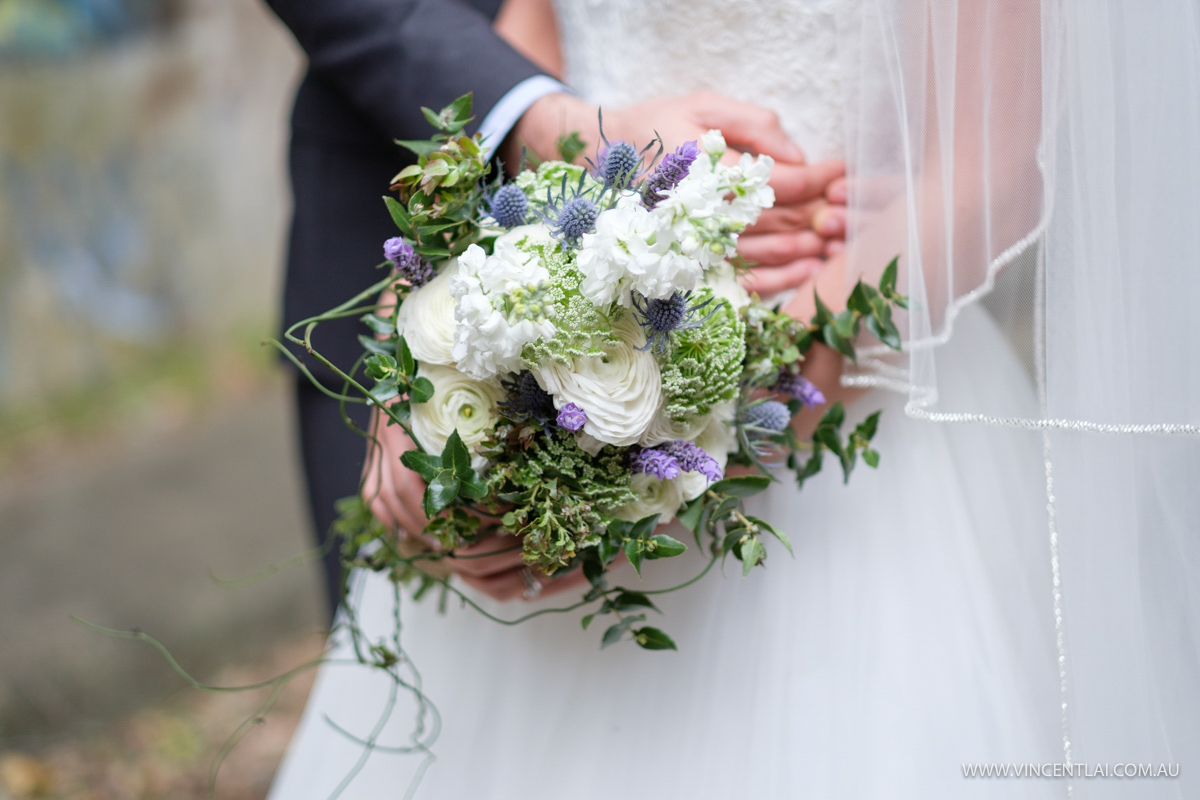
(770, 280)
(795, 184)
(778, 249)
(512, 584)
(783, 219)
(830, 222)
(837, 192)
(749, 127)
(491, 555)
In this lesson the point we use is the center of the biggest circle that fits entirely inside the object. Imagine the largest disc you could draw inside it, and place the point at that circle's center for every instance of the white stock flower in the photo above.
(458, 403)
(751, 192)
(426, 319)
(713, 143)
(487, 342)
(619, 391)
(724, 284)
(653, 497)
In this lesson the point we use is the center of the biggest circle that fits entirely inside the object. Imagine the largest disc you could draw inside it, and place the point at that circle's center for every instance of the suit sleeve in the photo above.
(390, 57)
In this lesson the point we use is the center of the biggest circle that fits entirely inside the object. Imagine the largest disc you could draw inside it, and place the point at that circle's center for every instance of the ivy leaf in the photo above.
(778, 534)
(629, 599)
(615, 632)
(742, 486)
(472, 487)
(398, 211)
(752, 554)
(455, 456)
(653, 639)
(664, 547)
(887, 281)
(421, 390)
(643, 526)
(569, 146)
(423, 464)
(634, 548)
(690, 516)
(408, 365)
(871, 457)
(440, 493)
(373, 345)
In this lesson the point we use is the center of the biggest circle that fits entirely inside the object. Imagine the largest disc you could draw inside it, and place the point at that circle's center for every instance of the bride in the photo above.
(921, 627)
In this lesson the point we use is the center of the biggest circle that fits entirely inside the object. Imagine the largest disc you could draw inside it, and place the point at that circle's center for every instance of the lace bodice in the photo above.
(782, 54)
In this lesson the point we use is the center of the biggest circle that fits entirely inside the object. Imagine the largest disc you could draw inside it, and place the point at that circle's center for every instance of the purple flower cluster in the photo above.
(667, 461)
(409, 265)
(800, 388)
(572, 417)
(669, 172)
(618, 165)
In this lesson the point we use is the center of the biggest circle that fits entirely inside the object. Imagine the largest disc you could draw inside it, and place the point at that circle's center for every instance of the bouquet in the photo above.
(578, 365)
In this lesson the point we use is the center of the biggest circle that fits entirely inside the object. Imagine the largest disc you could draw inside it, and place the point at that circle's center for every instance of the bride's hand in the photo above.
(493, 566)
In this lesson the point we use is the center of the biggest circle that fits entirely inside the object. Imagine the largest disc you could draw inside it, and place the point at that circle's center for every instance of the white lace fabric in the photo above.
(781, 54)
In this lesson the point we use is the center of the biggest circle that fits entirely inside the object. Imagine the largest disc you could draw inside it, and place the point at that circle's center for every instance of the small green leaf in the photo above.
(615, 632)
(690, 516)
(634, 548)
(753, 553)
(885, 331)
(643, 526)
(408, 364)
(460, 109)
(771, 529)
(587, 620)
(473, 488)
(433, 118)
(379, 325)
(871, 457)
(653, 639)
(887, 281)
(834, 417)
(421, 390)
(664, 546)
(629, 599)
(823, 316)
(570, 146)
(455, 456)
(373, 345)
(432, 253)
(399, 214)
(742, 486)
(380, 366)
(441, 492)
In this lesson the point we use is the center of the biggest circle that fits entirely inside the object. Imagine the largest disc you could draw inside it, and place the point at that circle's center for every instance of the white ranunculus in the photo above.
(620, 391)
(653, 497)
(426, 319)
(458, 403)
(664, 429)
(535, 234)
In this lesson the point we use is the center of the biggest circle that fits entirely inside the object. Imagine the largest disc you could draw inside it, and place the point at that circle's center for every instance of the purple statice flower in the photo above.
(508, 206)
(654, 462)
(408, 264)
(771, 415)
(572, 417)
(669, 172)
(693, 458)
(800, 388)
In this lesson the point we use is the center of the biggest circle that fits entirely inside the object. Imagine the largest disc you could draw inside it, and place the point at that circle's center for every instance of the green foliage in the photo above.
(561, 495)
(570, 146)
(704, 365)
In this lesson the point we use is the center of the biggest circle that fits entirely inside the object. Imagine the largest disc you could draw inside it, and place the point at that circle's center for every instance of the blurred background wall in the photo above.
(145, 436)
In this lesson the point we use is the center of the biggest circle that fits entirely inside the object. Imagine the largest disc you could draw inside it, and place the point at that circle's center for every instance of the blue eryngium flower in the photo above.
(526, 398)
(771, 416)
(617, 165)
(659, 318)
(508, 206)
(669, 172)
(571, 215)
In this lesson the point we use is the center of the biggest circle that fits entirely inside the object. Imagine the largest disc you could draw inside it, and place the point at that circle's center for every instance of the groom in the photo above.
(372, 65)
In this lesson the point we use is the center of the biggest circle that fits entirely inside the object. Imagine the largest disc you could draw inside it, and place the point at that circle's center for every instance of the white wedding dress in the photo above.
(912, 632)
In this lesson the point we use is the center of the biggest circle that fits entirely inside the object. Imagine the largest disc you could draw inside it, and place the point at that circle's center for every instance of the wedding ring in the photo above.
(533, 586)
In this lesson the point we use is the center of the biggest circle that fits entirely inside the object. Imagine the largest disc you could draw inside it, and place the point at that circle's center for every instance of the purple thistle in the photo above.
(693, 458)
(508, 206)
(654, 462)
(669, 172)
(618, 165)
(408, 264)
(572, 417)
(800, 388)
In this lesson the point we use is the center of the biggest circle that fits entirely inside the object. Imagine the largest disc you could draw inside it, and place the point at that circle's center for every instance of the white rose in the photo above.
(620, 391)
(653, 497)
(458, 403)
(426, 319)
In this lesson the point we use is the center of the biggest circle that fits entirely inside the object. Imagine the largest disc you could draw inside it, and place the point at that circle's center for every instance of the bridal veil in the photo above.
(1044, 161)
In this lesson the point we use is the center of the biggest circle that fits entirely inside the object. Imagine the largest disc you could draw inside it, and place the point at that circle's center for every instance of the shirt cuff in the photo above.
(504, 115)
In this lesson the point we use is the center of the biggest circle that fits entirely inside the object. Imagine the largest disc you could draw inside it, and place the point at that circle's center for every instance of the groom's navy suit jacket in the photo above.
(372, 64)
